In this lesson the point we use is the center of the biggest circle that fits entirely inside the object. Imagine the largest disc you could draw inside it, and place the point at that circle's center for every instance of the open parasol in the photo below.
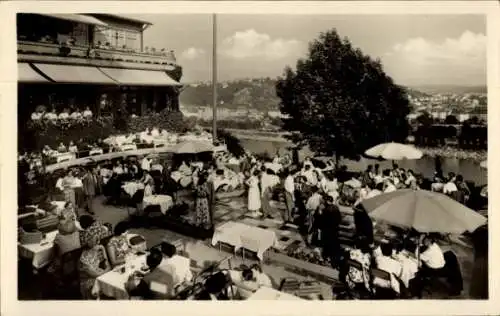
(394, 151)
(424, 211)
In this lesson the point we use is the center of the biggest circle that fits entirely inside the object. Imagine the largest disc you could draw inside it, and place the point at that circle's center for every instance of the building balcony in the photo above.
(45, 52)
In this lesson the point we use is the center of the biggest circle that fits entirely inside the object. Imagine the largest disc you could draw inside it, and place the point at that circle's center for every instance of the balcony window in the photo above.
(105, 37)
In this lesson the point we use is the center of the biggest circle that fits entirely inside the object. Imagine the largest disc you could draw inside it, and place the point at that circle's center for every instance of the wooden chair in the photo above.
(381, 292)
(304, 289)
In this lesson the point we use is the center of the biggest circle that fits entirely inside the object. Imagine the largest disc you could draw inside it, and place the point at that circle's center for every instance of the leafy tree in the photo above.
(339, 100)
(425, 119)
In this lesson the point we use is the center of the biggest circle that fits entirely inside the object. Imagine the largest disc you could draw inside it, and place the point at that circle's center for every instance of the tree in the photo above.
(425, 119)
(340, 101)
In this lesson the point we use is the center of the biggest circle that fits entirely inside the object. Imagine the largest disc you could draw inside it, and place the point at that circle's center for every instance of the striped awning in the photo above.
(134, 77)
(25, 73)
(78, 18)
(74, 74)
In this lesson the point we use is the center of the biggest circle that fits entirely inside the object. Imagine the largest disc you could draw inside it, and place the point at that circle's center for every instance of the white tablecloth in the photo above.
(409, 269)
(240, 235)
(40, 253)
(64, 157)
(59, 206)
(268, 294)
(157, 167)
(131, 187)
(127, 147)
(112, 283)
(164, 201)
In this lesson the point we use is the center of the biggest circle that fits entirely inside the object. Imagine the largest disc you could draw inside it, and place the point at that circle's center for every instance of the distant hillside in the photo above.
(255, 93)
(259, 94)
(433, 89)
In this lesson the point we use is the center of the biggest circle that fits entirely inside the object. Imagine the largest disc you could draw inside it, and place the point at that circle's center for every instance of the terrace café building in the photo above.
(74, 61)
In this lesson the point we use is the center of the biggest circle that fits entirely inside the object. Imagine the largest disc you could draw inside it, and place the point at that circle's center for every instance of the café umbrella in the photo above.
(394, 151)
(424, 211)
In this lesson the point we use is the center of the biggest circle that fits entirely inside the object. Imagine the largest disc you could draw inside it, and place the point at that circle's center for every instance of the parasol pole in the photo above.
(214, 78)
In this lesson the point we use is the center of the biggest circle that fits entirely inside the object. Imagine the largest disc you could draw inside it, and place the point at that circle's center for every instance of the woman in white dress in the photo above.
(254, 193)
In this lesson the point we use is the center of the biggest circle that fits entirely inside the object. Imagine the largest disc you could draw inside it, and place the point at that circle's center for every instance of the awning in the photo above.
(27, 74)
(74, 74)
(133, 77)
(78, 18)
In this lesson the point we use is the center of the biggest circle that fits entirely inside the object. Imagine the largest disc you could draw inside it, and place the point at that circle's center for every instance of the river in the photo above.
(469, 169)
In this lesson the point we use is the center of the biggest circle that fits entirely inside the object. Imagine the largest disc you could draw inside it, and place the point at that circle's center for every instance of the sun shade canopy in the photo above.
(134, 77)
(27, 74)
(78, 18)
(74, 74)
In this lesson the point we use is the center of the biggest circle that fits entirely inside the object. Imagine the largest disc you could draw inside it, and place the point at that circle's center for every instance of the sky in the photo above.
(415, 50)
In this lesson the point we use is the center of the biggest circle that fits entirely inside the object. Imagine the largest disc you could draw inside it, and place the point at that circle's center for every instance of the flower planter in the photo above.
(323, 273)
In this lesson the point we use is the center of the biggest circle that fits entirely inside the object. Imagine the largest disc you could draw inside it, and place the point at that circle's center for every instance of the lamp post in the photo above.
(214, 78)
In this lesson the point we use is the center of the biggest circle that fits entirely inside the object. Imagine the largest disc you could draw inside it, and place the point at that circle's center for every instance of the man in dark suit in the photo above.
(329, 227)
(89, 188)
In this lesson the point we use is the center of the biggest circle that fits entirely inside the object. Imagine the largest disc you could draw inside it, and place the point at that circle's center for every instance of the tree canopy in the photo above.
(340, 101)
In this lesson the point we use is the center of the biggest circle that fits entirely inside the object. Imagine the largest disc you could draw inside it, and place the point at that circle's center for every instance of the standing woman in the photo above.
(69, 191)
(254, 193)
(202, 202)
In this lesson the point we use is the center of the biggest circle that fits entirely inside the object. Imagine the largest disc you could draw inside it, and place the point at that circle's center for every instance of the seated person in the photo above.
(389, 185)
(166, 274)
(46, 150)
(215, 288)
(64, 116)
(87, 114)
(61, 148)
(432, 256)
(51, 116)
(261, 278)
(118, 246)
(155, 132)
(67, 239)
(76, 115)
(37, 115)
(361, 254)
(185, 169)
(91, 227)
(385, 262)
(118, 169)
(244, 282)
(93, 263)
(450, 186)
(72, 148)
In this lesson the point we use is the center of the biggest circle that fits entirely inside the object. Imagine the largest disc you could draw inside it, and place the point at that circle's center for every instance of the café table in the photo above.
(164, 201)
(112, 283)
(132, 187)
(269, 294)
(409, 267)
(41, 253)
(245, 236)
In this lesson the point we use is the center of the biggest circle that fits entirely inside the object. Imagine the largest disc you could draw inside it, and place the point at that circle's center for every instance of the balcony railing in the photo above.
(110, 54)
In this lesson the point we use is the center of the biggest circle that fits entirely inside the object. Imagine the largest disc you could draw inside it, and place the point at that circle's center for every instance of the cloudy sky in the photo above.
(414, 49)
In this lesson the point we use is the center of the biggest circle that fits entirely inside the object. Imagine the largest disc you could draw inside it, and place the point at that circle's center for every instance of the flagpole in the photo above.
(214, 77)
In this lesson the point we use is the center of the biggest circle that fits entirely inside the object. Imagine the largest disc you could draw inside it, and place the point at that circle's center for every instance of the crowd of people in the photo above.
(66, 117)
(312, 194)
